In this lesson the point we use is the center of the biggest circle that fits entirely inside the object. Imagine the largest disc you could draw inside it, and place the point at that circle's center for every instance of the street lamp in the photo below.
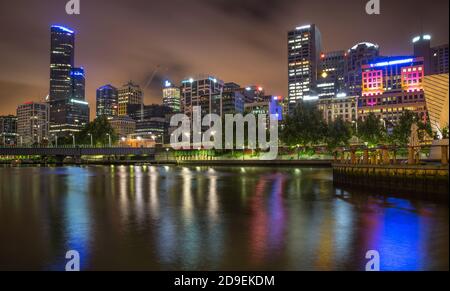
(167, 154)
(92, 141)
(109, 139)
(56, 139)
(73, 139)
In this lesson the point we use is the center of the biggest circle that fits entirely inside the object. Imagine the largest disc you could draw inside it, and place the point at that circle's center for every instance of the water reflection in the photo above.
(168, 218)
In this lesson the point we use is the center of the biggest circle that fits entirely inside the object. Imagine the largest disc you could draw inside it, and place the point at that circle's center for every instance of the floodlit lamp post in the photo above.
(92, 140)
(298, 152)
(167, 154)
(73, 139)
(109, 139)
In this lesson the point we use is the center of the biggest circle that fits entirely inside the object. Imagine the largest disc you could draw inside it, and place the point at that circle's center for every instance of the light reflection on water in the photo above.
(170, 218)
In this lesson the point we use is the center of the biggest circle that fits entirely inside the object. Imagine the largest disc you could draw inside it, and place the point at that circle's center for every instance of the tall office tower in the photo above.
(440, 59)
(129, 94)
(62, 51)
(422, 49)
(331, 74)
(8, 130)
(392, 86)
(230, 102)
(359, 55)
(304, 47)
(200, 91)
(33, 123)
(107, 101)
(172, 96)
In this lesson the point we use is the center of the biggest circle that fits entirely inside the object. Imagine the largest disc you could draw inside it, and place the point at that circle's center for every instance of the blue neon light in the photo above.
(392, 63)
(63, 29)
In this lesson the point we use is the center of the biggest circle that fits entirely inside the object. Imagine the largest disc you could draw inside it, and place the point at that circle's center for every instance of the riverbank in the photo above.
(231, 163)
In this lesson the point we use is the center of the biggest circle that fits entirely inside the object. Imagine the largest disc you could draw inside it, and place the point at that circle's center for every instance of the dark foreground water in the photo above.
(175, 218)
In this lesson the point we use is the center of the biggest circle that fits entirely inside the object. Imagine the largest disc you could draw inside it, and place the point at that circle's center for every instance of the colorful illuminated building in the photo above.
(392, 86)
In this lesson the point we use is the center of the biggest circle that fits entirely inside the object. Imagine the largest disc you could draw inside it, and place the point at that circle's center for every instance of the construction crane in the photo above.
(149, 82)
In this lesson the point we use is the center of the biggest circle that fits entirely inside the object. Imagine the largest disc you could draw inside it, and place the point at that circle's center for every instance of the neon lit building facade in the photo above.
(392, 86)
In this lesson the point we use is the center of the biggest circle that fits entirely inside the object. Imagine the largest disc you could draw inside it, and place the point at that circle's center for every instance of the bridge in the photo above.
(75, 151)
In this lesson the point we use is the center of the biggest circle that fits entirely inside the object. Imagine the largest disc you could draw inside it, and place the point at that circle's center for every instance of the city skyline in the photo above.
(262, 62)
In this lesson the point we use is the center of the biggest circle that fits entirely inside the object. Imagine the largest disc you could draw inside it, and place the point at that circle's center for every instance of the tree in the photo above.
(99, 129)
(402, 131)
(371, 130)
(304, 127)
(338, 134)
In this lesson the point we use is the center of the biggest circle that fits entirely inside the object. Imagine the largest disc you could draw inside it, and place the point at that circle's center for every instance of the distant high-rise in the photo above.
(107, 101)
(8, 130)
(331, 74)
(33, 123)
(231, 101)
(172, 96)
(304, 47)
(359, 55)
(201, 92)
(129, 94)
(422, 48)
(440, 59)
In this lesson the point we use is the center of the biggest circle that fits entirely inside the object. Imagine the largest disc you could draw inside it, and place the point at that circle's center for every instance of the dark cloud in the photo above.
(258, 10)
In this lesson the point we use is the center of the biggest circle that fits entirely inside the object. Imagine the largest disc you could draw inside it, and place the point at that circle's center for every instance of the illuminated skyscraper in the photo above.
(172, 96)
(129, 94)
(107, 101)
(304, 47)
(69, 111)
(201, 91)
(62, 57)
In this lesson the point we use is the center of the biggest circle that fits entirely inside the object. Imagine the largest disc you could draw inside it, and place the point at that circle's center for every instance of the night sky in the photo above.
(236, 40)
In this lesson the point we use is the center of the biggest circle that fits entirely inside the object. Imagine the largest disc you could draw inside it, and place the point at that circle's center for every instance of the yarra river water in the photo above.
(219, 218)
